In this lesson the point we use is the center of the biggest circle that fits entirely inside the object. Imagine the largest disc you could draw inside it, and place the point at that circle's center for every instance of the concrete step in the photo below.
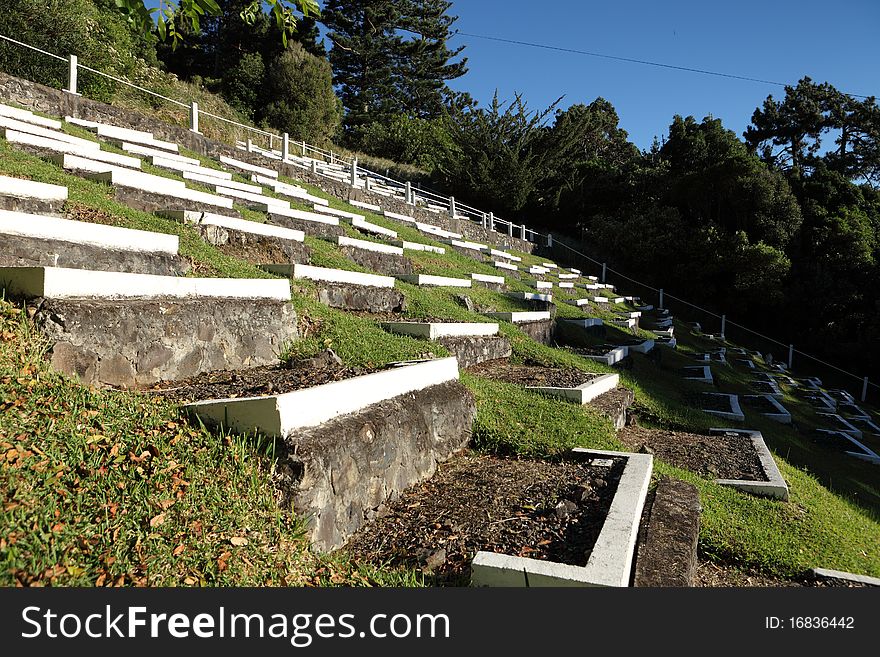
(584, 393)
(531, 296)
(67, 283)
(505, 255)
(46, 133)
(327, 275)
(212, 181)
(112, 132)
(418, 412)
(28, 240)
(426, 280)
(372, 229)
(435, 330)
(405, 218)
(520, 317)
(505, 265)
(293, 191)
(370, 207)
(146, 151)
(416, 246)
(342, 214)
(342, 240)
(26, 116)
(46, 145)
(252, 200)
(18, 194)
(248, 240)
(232, 163)
(436, 231)
(311, 223)
(485, 278)
(213, 175)
(161, 187)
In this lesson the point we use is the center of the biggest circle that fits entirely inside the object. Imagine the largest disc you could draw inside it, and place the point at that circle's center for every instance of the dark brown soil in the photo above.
(256, 382)
(531, 375)
(537, 509)
(597, 350)
(720, 457)
(758, 403)
(713, 402)
(836, 442)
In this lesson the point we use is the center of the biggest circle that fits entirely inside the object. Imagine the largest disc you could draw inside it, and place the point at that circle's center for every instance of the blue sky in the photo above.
(780, 40)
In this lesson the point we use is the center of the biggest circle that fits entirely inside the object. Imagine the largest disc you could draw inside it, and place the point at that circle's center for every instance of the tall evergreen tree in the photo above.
(425, 61)
(364, 56)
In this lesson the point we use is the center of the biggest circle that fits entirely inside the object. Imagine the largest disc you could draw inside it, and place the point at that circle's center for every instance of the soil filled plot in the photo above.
(711, 402)
(544, 510)
(721, 457)
(255, 382)
(531, 375)
(595, 350)
(759, 403)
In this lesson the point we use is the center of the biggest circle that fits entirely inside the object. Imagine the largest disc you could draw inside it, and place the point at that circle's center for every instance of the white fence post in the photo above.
(304, 149)
(408, 193)
(452, 211)
(250, 145)
(354, 173)
(661, 299)
(492, 221)
(73, 73)
(865, 389)
(549, 240)
(285, 147)
(790, 355)
(723, 324)
(510, 229)
(524, 238)
(194, 117)
(604, 271)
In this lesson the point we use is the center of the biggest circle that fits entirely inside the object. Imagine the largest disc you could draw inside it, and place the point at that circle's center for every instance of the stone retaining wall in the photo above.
(340, 474)
(19, 251)
(362, 298)
(471, 350)
(140, 342)
(389, 264)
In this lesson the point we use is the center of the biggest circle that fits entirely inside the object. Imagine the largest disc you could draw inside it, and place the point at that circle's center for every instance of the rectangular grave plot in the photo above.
(553, 513)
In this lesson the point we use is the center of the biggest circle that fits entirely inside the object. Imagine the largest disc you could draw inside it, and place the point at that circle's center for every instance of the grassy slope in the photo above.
(818, 527)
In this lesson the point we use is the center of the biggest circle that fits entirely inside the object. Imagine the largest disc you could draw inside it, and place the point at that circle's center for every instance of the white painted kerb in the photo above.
(65, 283)
(81, 232)
(610, 561)
(280, 415)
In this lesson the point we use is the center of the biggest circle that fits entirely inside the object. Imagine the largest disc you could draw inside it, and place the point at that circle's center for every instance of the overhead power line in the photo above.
(631, 60)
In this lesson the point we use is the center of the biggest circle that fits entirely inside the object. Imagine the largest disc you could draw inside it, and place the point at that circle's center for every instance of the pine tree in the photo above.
(425, 60)
(364, 57)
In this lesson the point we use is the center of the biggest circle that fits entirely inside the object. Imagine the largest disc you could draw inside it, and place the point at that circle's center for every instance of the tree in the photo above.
(424, 63)
(499, 154)
(794, 124)
(363, 56)
(169, 14)
(302, 103)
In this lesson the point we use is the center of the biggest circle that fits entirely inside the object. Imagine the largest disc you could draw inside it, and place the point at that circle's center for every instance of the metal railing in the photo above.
(487, 219)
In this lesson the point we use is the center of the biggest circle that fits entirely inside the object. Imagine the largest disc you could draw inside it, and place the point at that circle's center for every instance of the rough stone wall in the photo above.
(540, 331)
(361, 298)
(472, 350)
(32, 206)
(140, 342)
(59, 103)
(17, 251)
(341, 473)
(256, 249)
(389, 264)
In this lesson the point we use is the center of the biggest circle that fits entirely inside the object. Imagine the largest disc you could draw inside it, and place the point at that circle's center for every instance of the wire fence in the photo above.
(456, 209)
(723, 324)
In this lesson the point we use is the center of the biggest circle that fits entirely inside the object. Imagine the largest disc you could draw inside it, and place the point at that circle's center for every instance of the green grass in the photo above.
(831, 520)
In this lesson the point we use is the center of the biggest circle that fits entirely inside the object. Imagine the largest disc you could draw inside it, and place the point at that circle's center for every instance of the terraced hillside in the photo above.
(266, 368)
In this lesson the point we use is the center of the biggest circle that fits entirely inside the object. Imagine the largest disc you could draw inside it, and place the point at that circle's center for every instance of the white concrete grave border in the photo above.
(705, 378)
(612, 356)
(342, 240)
(531, 296)
(233, 223)
(66, 283)
(782, 415)
(82, 232)
(826, 573)
(434, 281)
(486, 278)
(46, 144)
(865, 453)
(281, 415)
(521, 317)
(775, 485)
(735, 412)
(326, 275)
(31, 189)
(417, 246)
(434, 330)
(610, 561)
(29, 117)
(584, 393)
